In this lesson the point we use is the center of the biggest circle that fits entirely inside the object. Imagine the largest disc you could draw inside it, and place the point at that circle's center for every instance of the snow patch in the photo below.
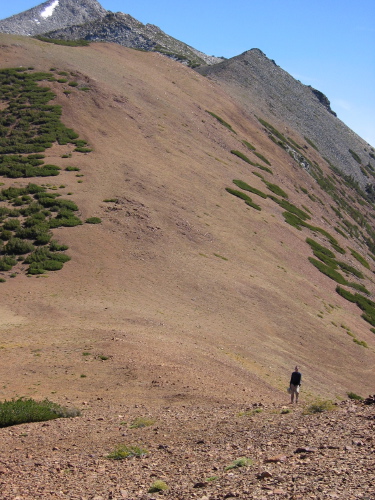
(48, 11)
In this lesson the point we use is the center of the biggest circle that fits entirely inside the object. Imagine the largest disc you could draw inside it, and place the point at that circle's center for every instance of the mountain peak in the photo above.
(52, 15)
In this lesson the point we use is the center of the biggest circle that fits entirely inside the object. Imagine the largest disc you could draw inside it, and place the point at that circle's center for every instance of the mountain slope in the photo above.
(52, 15)
(183, 292)
(266, 90)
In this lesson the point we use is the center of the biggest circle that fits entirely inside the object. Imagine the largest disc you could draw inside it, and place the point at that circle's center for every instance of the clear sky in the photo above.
(328, 44)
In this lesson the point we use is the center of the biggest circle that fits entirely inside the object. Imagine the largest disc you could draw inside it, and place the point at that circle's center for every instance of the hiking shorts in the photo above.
(294, 389)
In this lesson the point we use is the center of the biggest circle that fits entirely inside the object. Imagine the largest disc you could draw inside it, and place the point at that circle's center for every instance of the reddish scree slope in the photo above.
(191, 295)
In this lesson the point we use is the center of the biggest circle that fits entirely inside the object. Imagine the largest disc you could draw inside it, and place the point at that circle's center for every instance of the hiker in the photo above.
(295, 383)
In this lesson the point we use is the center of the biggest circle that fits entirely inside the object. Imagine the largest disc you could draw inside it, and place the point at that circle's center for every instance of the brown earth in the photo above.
(182, 304)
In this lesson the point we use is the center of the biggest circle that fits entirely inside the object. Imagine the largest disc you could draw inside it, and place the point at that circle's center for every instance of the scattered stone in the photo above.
(276, 459)
(306, 450)
(200, 485)
(264, 474)
(358, 442)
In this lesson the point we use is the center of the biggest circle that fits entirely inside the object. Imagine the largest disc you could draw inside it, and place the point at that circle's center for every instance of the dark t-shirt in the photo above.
(296, 378)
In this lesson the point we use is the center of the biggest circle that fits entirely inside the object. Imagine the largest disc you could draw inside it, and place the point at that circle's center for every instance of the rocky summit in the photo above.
(52, 15)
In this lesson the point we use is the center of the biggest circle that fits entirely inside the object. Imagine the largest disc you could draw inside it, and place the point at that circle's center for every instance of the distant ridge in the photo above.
(125, 30)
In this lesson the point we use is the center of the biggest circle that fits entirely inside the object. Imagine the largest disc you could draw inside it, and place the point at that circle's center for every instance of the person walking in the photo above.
(295, 384)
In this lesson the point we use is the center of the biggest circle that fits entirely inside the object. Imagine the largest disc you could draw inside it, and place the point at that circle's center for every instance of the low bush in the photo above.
(243, 185)
(240, 462)
(220, 120)
(123, 451)
(328, 271)
(243, 157)
(140, 422)
(93, 220)
(276, 189)
(353, 395)
(360, 259)
(253, 205)
(320, 248)
(291, 208)
(248, 145)
(27, 410)
(319, 406)
(261, 157)
(68, 43)
(239, 194)
(157, 486)
(16, 246)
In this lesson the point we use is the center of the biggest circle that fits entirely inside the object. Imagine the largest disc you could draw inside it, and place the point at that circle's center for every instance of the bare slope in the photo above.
(188, 293)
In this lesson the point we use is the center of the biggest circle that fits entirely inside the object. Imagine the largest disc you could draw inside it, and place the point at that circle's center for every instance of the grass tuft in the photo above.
(157, 486)
(240, 462)
(123, 451)
(319, 406)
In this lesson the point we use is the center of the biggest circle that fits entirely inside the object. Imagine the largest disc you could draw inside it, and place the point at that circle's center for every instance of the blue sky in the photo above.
(328, 44)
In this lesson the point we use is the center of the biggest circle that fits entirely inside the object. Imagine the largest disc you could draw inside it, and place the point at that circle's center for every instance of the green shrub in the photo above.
(319, 406)
(22, 410)
(355, 156)
(243, 185)
(253, 205)
(276, 189)
(83, 150)
(54, 246)
(140, 422)
(261, 157)
(311, 143)
(350, 269)
(293, 220)
(6, 263)
(93, 220)
(359, 287)
(353, 395)
(243, 157)
(240, 462)
(360, 259)
(68, 43)
(316, 246)
(157, 486)
(248, 145)
(360, 342)
(220, 120)
(239, 194)
(123, 451)
(290, 208)
(328, 271)
(16, 246)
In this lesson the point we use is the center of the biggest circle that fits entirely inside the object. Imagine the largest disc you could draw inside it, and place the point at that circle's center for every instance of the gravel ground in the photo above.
(192, 449)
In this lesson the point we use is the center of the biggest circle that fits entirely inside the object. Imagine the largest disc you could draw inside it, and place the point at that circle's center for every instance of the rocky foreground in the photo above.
(194, 451)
